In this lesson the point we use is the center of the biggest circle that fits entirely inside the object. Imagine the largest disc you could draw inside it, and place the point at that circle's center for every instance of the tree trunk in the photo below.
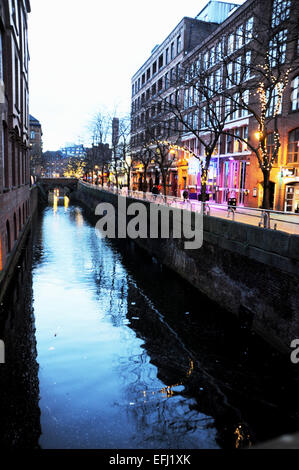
(266, 196)
(203, 188)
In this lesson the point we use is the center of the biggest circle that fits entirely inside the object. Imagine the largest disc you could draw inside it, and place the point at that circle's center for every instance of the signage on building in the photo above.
(287, 172)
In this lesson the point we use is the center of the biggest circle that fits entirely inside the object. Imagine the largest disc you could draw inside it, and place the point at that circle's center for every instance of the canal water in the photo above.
(107, 349)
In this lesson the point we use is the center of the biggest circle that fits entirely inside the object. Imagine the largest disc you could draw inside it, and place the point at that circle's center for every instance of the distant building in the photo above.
(36, 146)
(14, 97)
(73, 151)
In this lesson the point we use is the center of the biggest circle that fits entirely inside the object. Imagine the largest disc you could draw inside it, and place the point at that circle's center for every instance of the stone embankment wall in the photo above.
(8, 269)
(251, 271)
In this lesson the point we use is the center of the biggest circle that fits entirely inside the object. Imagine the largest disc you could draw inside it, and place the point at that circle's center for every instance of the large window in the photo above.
(179, 44)
(293, 147)
(249, 30)
(280, 12)
(295, 94)
(275, 104)
(277, 48)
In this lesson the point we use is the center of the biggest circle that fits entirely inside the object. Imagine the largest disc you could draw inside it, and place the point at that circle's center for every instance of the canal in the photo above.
(107, 349)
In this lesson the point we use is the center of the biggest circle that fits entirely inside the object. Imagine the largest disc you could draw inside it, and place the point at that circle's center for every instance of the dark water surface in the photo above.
(107, 349)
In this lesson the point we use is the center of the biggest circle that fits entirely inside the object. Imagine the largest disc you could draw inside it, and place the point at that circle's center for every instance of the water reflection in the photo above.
(19, 391)
(130, 356)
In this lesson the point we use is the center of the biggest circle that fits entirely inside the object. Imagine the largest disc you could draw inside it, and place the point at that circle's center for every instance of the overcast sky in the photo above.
(84, 53)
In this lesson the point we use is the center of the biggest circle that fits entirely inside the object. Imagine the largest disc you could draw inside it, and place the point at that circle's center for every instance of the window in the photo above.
(172, 50)
(237, 71)
(229, 75)
(293, 146)
(275, 103)
(190, 97)
(277, 48)
(195, 120)
(166, 81)
(32, 135)
(148, 74)
(206, 60)
(280, 12)
(227, 109)
(235, 106)
(160, 84)
(218, 51)
(249, 30)
(239, 37)
(247, 66)
(16, 82)
(179, 44)
(160, 61)
(154, 68)
(186, 98)
(203, 117)
(143, 79)
(167, 56)
(244, 103)
(230, 43)
(212, 57)
(218, 80)
(229, 144)
(295, 94)
(172, 76)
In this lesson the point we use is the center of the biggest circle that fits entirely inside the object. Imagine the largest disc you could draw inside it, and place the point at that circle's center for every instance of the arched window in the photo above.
(15, 226)
(293, 146)
(8, 238)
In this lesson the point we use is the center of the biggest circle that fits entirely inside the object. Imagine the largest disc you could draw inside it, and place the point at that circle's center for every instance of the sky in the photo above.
(84, 53)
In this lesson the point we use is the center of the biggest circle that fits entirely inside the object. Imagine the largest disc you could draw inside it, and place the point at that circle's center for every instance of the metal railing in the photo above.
(269, 219)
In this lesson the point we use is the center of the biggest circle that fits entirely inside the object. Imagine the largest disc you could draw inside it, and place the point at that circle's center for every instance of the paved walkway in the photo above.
(282, 221)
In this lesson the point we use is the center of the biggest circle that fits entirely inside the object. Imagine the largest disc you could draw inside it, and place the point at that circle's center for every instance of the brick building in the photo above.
(159, 71)
(234, 170)
(14, 168)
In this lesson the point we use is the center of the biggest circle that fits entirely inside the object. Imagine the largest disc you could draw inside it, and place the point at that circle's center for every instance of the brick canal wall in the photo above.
(248, 270)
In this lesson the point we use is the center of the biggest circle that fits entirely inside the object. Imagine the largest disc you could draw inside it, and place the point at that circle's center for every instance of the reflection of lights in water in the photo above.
(66, 203)
(242, 437)
(79, 219)
(55, 203)
(167, 391)
(191, 368)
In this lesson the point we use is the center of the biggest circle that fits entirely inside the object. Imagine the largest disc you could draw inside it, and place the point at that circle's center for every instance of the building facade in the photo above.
(154, 78)
(14, 95)
(225, 51)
